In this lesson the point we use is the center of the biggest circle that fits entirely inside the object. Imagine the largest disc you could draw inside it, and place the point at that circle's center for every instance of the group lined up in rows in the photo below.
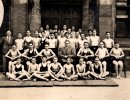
(66, 44)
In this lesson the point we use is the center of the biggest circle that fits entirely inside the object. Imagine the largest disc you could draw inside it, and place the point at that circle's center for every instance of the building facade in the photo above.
(104, 15)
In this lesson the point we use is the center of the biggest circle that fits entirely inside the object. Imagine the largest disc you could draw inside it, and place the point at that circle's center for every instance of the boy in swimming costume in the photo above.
(69, 72)
(42, 70)
(55, 70)
(81, 69)
(96, 69)
(18, 71)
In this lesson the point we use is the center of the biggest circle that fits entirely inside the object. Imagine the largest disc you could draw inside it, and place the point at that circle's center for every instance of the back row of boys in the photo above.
(56, 38)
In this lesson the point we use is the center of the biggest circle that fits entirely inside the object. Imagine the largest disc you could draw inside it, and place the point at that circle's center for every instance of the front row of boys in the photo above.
(55, 71)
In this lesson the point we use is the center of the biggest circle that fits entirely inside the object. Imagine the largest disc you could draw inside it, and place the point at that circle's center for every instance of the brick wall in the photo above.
(18, 17)
(35, 21)
(105, 19)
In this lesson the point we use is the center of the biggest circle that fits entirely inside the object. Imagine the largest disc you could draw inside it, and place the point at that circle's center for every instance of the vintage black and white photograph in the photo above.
(64, 49)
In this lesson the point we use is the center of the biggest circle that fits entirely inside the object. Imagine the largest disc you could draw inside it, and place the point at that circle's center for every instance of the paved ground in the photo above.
(70, 93)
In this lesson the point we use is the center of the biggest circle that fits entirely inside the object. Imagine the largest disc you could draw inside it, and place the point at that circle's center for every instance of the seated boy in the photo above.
(32, 68)
(42, 70)
(18, 71)
(97, 71)
(55, 70)
(69, 72)
(81, 69)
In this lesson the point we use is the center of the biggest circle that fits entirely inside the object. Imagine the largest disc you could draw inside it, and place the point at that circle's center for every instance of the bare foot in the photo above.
(119, 77)
(17, 79)
(60, 80)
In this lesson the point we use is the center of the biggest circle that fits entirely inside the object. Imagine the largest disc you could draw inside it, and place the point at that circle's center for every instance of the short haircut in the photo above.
(81, 58)
(68, 58)
(108, 32)
(116, 42)
(33, 58)
(55, 57)
(89, 30)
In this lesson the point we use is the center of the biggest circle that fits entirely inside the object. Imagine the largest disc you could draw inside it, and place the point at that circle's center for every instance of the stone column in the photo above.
(18, 17)
(35, 16)
(105, 17)
(85, 19)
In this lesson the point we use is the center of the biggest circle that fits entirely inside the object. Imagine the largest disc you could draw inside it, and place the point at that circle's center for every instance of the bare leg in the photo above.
(40, 77)
(54, 77)
(116, 68)
(11, 76)
(10, 66)
(94, 74)
(104, 64)
(74, 77)
(105, 74)
(90, 64)
(120, 63)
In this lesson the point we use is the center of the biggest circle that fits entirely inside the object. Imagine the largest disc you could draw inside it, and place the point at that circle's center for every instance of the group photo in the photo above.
(64, 49)
(67, 54)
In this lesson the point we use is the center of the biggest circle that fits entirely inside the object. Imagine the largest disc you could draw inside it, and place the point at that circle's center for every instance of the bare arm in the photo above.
(53, 54)
(7, 55)
(97, 52)
(79, 54)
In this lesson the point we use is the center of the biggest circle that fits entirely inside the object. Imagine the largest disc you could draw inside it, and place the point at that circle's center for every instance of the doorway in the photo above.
(61, 13)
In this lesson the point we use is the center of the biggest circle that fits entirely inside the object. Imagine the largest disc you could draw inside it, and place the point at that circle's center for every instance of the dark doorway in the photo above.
(60, 13)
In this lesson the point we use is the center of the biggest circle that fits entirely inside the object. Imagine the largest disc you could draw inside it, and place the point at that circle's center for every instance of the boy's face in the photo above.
(56, 34)
(73, 28)
(19, 60)
(80, 30)
(20, 36)
(55, 60)
(67, 35)
(81, 61)
(14, 47)
(44, 59)
(62, 34)
(28, 33)
(82, 36)
(69, 30)
(33, 60)
(90, 33)
(47, 26)
(117, 45)
(86, 45)
(101, 45)
(8, 33)
(94, 32)
(108, 35)
(56, 26)
(46, 46)
(52, 36)
(36, 34)
(64, 27)
(68, 61)
(96, 60)
(41, 29)
(67, 44)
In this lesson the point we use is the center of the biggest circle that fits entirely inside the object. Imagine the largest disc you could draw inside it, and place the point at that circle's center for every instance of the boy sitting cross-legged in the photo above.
(69, 72)
(97, 71)
(55, 70)
(42, 70)
(81, 69)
